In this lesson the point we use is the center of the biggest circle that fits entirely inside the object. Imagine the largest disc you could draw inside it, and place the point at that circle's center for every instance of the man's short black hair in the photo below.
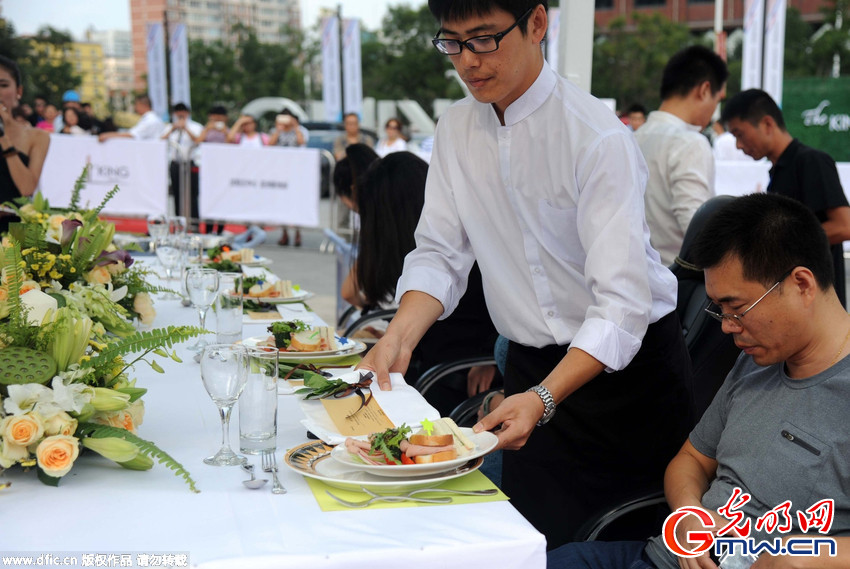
(181, 107)
(752, 105)
(770, 234)
(444, 10)
(637, 108)
(286, 111)
(217, 110)
(689, 68)
(143, 99)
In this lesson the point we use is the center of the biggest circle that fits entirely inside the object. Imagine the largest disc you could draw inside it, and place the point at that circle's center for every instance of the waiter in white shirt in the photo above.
(543, 185)
(149, 126)
(679, 158)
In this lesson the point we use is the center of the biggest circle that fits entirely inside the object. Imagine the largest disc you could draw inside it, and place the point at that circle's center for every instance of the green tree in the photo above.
(834, 39)
(628, 63)
(43, 60)
(403, 64)
(215, 77)
(10, 45)
(270, 70)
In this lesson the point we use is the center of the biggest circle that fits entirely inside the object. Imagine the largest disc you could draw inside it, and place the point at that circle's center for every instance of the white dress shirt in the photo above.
(551, 207)
(149, 127)
(179, 141)
(681, 178)
(384, 146)
(726, 148)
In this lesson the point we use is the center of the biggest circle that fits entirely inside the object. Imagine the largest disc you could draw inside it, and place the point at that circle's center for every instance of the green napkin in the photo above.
(472, 481)
(345, 360)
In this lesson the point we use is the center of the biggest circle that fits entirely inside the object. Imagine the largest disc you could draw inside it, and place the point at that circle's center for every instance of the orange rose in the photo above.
(98, 275)
(56, 454)
(23, 430)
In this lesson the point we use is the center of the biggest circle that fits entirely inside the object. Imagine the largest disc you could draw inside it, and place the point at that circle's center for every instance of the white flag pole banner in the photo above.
(352, 70)
(179, 54)
(552, 37)
(751, 64)
(331, 95)
(272, 185)
(138, 167)
(774, 47)
(157, 87)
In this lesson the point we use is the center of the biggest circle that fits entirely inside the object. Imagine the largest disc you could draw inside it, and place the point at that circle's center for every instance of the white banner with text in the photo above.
(746, 177)
(139, 168)
(273, 185)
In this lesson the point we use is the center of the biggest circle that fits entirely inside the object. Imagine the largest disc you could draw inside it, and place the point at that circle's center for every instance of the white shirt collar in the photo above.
(664, 116)
(533, 97)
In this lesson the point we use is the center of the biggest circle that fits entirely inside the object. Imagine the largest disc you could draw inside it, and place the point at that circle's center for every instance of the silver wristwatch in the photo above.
(548, 403)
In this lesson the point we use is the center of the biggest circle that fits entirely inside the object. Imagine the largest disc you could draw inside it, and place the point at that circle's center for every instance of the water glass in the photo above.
(157, 226)
(228, 308)
(202, 286)
(170, 255)
(258, 403)
(224, 372)
(177, 225)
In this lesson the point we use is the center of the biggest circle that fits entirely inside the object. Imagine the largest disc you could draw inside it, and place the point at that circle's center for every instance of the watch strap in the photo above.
(548, 403)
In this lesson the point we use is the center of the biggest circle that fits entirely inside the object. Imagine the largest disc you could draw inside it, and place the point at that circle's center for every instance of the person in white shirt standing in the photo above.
(542, 185)
(149, 126)
(183, 136)
(679, 157)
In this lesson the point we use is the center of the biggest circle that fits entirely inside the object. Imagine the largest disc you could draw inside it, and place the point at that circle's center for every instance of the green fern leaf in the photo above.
(78, 186)
(143, 340)
(109, 195)
(147, 448)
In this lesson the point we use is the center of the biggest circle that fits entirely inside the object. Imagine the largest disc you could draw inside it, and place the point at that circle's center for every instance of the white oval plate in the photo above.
(310, 459)
(258, 261)
(484, 442)
(350, 347)
(297, 296)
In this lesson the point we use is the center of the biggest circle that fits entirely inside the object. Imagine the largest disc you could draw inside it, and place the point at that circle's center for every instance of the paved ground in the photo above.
(307, 266)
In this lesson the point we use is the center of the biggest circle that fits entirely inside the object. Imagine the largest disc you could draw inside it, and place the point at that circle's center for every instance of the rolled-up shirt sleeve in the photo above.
(611, 228)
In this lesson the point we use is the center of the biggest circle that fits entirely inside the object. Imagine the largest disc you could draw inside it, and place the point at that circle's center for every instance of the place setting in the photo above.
(348, 476)
(233, 373)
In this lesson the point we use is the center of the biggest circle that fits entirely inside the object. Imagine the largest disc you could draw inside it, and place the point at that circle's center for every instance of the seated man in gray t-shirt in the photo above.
(777, 431)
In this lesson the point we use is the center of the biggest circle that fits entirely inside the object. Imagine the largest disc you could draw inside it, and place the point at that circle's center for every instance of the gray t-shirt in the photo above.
(778, 439)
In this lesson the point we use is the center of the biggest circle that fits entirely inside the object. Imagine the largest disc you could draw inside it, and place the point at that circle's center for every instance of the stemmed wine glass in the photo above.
(224, 371)
(202, 286)
(157, 227)
(177, 224)
(170, 255)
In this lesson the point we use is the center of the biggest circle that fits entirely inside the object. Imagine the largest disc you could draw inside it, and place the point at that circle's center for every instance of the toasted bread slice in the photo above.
(432, 440)
(436, 457)
(314, 340)
(446, 427)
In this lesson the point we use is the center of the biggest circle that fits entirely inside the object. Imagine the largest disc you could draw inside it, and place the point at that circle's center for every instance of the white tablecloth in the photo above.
(102, 508)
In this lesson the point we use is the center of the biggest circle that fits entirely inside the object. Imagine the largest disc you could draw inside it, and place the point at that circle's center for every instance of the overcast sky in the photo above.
(77, 15)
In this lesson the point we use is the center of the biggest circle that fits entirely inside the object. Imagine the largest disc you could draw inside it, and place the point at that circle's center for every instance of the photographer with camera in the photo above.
(22, 148)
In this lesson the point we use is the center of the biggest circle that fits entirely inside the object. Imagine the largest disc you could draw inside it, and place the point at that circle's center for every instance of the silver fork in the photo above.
(270, 465)
(377, 498)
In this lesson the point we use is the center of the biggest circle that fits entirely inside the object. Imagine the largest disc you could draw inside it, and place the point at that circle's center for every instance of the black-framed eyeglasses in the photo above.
(478, 44)
(714, 311)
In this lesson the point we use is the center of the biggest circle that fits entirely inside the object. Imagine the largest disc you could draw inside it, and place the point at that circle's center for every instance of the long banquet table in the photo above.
(101, 508)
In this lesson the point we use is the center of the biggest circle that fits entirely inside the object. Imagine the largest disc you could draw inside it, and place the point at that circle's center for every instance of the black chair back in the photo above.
(712, 352)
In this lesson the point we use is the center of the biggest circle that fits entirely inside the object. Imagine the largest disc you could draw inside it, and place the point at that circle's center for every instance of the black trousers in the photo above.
(173, 190)
(609, 440)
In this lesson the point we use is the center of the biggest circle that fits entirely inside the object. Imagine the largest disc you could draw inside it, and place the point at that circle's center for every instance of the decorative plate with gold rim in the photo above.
(311, 459)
